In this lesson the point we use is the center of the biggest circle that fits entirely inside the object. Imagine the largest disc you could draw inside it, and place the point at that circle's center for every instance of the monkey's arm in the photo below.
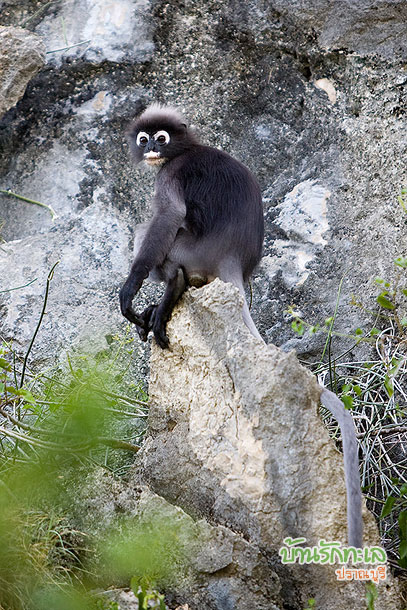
(160, 235)
(351, 463)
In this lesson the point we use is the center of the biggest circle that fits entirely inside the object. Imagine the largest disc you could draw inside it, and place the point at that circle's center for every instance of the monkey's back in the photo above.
(223, 204)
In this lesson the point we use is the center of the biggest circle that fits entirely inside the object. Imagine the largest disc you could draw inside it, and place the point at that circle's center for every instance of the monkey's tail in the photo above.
(351, 463)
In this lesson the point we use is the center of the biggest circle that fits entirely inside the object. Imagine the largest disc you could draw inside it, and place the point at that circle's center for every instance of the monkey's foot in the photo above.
(149, 320)
(160, 334)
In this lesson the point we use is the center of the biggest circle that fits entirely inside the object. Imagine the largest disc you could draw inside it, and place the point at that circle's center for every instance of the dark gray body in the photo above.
(207, 223)
(218, 207)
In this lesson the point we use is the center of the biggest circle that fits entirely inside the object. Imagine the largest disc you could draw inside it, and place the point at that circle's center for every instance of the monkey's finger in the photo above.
(142, 333)
(161, 338)
(131, 315)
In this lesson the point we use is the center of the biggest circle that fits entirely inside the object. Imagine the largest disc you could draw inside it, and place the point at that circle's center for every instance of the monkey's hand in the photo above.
(126, 295)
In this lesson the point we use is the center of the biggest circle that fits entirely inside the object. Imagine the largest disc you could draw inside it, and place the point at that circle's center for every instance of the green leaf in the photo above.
(403, 489)
(374, 332)
(329, 321)
(403, 321)
(28, 397)
(359, 331)
(385, 302)
(347, 401)
(401, 261)
(403, 524)
(388, 384)
(403, 549)
(404, 291)
(357, 389)
(297, 326)
(11, 390)
(379, 280)
(388, 507)
(4, 364)
(26, 394)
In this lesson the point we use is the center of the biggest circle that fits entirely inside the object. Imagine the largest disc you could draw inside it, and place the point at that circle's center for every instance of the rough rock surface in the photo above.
(219, 566)
(310, 95)
(22, 55)
(235, 437)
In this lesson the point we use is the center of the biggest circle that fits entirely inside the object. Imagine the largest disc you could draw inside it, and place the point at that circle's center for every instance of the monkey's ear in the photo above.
(184, 125)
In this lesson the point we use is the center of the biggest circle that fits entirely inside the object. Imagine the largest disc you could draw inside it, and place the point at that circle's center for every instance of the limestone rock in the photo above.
(22, 55)
(236, 438)
(107, 30)
(90, 251)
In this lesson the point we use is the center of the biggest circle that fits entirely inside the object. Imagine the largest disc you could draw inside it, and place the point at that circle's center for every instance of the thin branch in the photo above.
(78, 44)
(19, 287)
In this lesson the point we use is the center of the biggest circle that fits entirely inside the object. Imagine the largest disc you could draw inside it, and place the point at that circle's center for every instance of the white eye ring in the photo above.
(140, 135)
(162, 133)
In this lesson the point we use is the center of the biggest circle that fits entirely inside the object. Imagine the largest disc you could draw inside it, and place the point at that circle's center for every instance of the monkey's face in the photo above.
(158, 137)
(153, 146)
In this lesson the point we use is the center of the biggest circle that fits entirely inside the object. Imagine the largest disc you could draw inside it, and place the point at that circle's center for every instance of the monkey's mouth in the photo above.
(153, 158)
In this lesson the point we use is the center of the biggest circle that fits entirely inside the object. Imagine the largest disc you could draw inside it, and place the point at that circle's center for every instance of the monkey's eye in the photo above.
(142, 139)
(162, 137)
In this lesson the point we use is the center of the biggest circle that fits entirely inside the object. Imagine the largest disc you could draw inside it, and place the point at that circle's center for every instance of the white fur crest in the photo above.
(159, 112)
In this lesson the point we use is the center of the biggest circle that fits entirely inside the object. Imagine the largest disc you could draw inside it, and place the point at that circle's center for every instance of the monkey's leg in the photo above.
(231, 275)
(175, 287)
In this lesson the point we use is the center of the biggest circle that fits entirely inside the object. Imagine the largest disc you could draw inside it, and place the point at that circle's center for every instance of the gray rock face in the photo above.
(362, 26)
(22, 55)
(310, 95)
(114, 31)
(236, 438)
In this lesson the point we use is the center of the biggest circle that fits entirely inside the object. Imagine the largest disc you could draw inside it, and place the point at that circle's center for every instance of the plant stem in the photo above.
(18, 287)
(10, 193)
(49, 278)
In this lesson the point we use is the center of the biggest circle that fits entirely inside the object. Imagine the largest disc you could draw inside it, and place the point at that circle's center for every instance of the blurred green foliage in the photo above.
(55, 430)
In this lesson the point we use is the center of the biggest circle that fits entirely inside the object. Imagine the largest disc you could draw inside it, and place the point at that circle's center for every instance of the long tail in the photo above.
(351, 463)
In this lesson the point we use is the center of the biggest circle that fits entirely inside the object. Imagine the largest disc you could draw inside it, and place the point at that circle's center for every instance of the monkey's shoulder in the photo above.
(209, 164)
(207, 156)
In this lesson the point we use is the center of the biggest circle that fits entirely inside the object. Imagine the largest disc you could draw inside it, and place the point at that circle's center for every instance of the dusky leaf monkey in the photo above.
(207, 219)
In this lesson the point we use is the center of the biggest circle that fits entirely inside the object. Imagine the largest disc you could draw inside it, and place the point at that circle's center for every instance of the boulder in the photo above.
(22, 55)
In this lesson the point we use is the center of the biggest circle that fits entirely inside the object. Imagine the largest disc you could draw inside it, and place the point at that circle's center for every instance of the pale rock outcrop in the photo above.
(235, 437)
(22, 55)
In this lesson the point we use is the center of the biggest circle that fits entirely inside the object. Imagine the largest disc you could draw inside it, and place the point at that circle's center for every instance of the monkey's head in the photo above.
(158, 135)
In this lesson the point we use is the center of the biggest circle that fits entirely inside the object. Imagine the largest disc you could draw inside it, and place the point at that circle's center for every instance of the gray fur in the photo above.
(351, 465)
